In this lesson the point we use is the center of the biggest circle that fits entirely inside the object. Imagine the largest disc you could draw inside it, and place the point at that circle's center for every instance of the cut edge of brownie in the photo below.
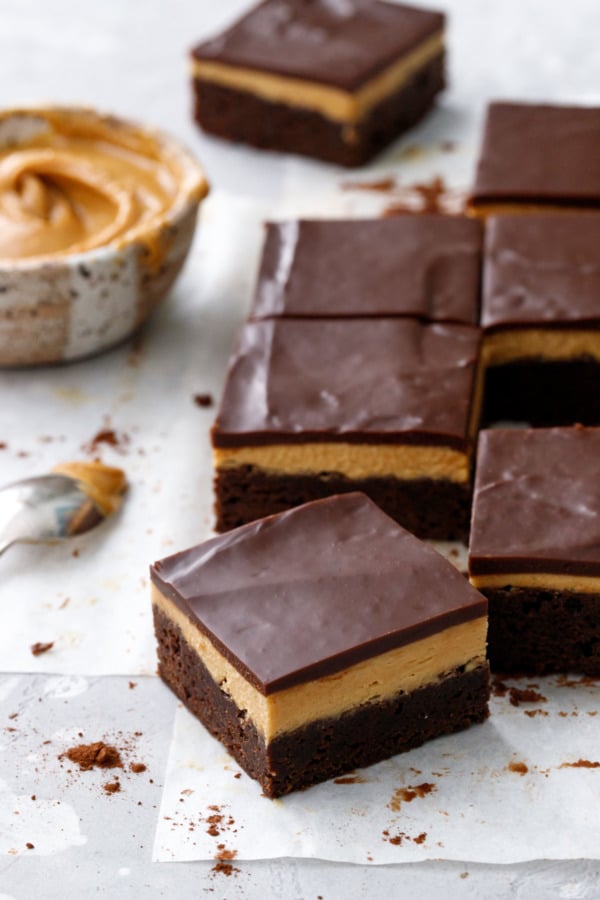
(435, 509)
(542, 630)
(326, 748)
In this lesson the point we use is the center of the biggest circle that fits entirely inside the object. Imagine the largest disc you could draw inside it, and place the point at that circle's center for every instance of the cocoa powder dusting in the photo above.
(408, 794)
(41, 647)
(581, 764)
(112, 787)
(97, 754)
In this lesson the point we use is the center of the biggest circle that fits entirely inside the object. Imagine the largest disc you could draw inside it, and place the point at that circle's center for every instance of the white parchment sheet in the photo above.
(522, 786)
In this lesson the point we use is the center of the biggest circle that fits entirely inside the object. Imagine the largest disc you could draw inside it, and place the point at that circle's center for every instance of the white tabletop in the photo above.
(130, 58)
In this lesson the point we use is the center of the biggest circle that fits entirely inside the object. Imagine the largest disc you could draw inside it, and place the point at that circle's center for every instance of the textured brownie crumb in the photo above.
(30, 846)
(397, 839)
(40, 647)
(519, 767)
(525, 695)
(535, 712)
(137, 767)
(97, 754)
(420, 838)
(109, 436)
(112, 787)
(224, 868)
(581, 764)
(3, 445)
(203, 400)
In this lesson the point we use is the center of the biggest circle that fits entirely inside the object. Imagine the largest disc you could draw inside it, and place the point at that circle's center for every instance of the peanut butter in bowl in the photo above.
(96, 218)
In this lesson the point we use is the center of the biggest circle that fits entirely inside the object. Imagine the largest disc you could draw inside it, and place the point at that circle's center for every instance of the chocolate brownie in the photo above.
(315, 407)
(319, 640)
(535, 547)
(337, 81)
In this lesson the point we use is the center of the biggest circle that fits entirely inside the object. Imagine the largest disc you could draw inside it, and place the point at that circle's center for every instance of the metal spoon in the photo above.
(46, 508)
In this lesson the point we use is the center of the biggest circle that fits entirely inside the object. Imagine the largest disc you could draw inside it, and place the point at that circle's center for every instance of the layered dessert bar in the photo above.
(424, 266)
(535, 548)
(541, 319)
(320, 640)
(337, 81)
(315, 407)
(538, 156)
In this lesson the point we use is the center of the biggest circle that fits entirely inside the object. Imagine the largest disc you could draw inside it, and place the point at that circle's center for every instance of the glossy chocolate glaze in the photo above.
(542, 270)
(539, 154)
(312, 591)
(350, 380)
(537, 502)
(343, 43)
(425, 266)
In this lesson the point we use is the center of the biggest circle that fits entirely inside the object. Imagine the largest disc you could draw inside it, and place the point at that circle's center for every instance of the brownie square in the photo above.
(422, 266)
(535, 547)
(315, 407)
(538, 156)
(319, 640)
(336, 81)
(541, 318)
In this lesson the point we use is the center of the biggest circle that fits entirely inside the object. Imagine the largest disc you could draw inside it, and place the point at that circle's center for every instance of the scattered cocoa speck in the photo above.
(3, 445)
(448, 146)
(137, 767)
(420, 838)
(40, 647)
(107, 435)
(408, 794)
(383, 185)
(75, 552)
(593, 712)
(563, 714)
(238, 775)
(203, 400)
(223, 853)
(535, 712)
(565, 681)
(525, 695)
(464, 874)
(132, 685)
(98, 754)
(30, 846)
(397, 839)
(224, 868)
(13, 715)
(33, 797)
(22, 454)
(65, 603)
(112, 787)
(519, 767)
(213, 831)
(430, 195)
(581, 764)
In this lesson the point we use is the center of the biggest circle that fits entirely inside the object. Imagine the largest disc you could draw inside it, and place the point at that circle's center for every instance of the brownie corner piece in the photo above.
(334, 82)
(338, 602)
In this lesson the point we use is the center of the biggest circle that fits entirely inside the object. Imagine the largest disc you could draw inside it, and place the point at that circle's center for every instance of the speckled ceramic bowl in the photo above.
(68, 305)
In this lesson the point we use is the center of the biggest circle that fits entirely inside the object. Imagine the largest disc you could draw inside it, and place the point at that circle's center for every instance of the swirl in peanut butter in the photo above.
(80, 182)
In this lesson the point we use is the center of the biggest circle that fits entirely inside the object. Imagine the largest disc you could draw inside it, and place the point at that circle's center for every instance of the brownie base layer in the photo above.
(433, 509)
(244, 117)
(543, 393)
(327, 748)
(540, 632)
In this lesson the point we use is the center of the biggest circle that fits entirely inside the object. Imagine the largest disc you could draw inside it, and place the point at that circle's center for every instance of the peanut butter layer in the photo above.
(539, 343)
(373, 680)
(332, 102)
(550, 581)
(72, 181)
(536, 507)
(357, 461)
(314, 591)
